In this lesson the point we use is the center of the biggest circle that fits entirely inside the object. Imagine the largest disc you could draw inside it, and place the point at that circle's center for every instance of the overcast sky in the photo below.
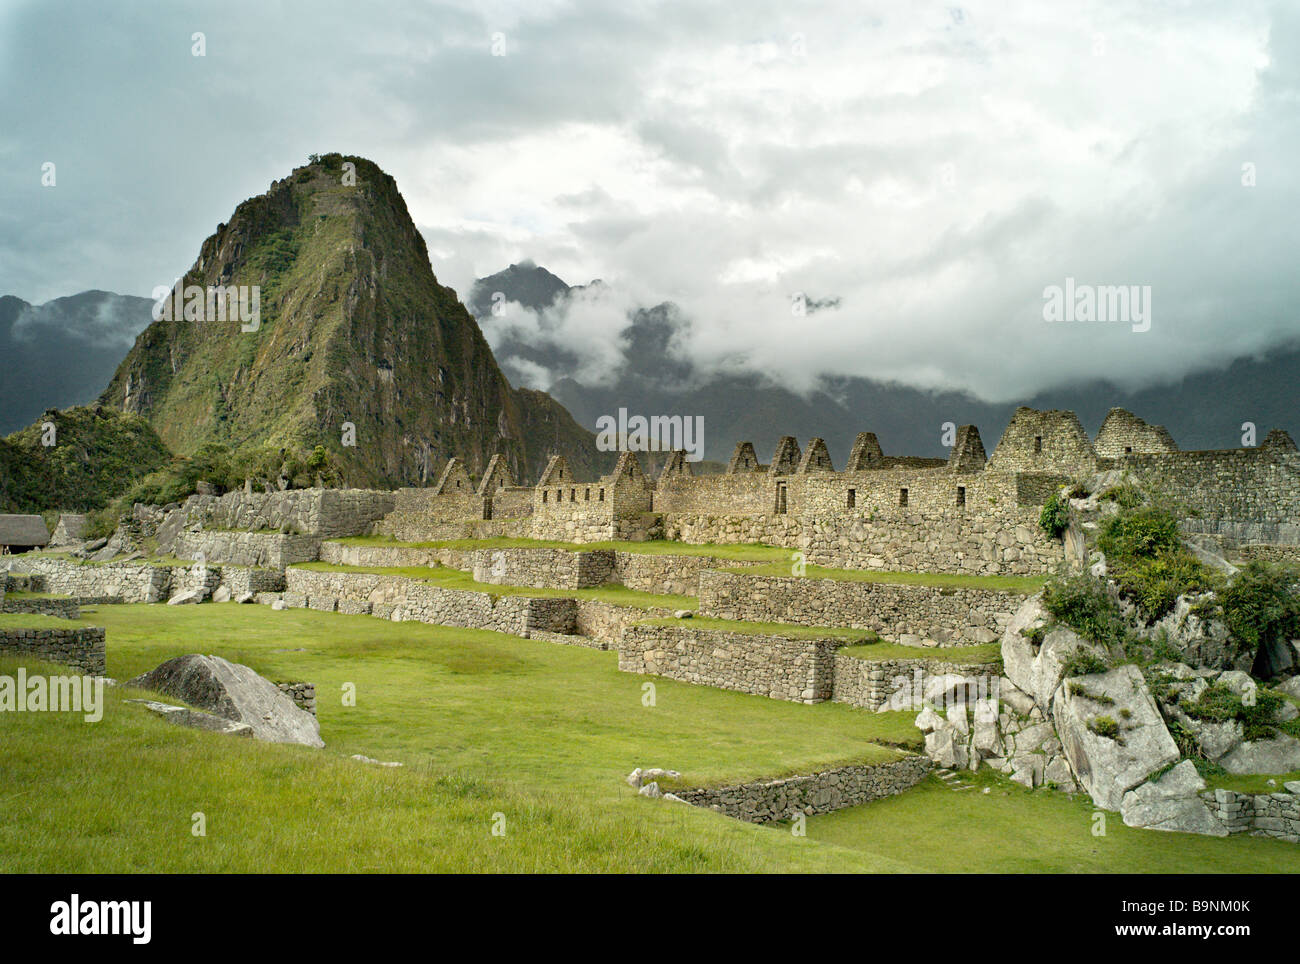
(934, 167)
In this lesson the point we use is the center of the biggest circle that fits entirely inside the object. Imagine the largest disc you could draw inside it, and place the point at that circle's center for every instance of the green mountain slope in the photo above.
(354, 328)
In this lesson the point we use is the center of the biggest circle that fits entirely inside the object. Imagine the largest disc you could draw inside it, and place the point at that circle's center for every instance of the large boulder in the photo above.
(1172, 802)
(1108, 766)
(236, 693)
(1018, 652)
(1280, 754)
(195, 719)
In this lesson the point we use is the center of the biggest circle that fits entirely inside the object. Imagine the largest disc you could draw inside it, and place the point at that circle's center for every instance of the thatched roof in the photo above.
(23, 530)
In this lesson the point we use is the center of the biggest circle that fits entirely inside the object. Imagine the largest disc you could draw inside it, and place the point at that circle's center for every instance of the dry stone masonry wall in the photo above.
(80, 647)
(913, 615)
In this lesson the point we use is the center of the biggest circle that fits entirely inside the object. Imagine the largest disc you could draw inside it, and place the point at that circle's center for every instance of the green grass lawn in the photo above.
(484, 722)
(1026, 585)
(787, 630)
(881, 650)
(1014, 830)
(1250, 782)
(449, 578)
(36, 621)
(489, 724)
(756, 552)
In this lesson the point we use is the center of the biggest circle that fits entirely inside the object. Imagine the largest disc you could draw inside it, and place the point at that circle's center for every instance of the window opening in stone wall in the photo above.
(1038, 443)
(902, 496)
(961, 495)
(853, 498)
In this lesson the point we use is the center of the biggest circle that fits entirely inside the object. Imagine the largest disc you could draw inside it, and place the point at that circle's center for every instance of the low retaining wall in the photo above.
(1259, 814)
(799, 670)
(80, 647)
(871, 684)
(543, 568)
(817, 793)
(604, 623)
(302, 694)
(341, 554)
(912, 615)
(1266, 553)
(400, 598)
(61, 607)
(272, 549)
(130, 582)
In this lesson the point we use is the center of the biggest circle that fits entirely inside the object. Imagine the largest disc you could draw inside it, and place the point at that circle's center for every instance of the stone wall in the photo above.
(302, 694)
(872, 684)
(79, 647)
(912, 615)
(1259, 814)
(325, 513)
(272, 549)
(676, 575)
(1267, 553)
(799, 670)
(61, 607)
(130, 582)
(604, 622)
(242, 579)
(341, 554)
(1243, 495)
(543, 568)
(824, 792)
(400, 598)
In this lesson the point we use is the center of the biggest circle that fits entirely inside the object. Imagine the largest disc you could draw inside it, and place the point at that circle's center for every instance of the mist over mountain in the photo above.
(62, 353)
(534, 341)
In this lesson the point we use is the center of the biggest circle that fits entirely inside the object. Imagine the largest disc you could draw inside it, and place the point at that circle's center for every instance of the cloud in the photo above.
(933, 168)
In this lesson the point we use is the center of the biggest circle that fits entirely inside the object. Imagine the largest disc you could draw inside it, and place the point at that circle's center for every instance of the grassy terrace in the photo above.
(485, 723)
(448, 578)
(491, 724)
(1026, 585)
(786, 630)
(752, 552)
(881, 650)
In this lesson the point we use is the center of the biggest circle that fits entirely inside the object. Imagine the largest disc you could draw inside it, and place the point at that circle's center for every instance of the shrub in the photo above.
(1082, 603)
(1125, 495)
(1084, 662)
(1140, 534)
(1218, 703)
(1261, 605)
(1104, 726)
(1055, 517)
(1155, 584)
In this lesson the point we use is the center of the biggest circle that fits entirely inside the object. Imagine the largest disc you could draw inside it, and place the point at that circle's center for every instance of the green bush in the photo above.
(1139, 534)
(1104, 726)
(1218, 703)
(1055, 517)
(1084, 662)
(1261, 606)
(1125, 495)
(1082, 603)
(1155, 584)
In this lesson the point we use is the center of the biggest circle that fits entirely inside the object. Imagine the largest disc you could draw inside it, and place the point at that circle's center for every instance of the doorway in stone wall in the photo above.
(487, 507)
(780, 498)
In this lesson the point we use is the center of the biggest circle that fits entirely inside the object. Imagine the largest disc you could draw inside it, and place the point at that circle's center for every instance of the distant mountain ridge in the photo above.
(1204, 410)
(62, 353)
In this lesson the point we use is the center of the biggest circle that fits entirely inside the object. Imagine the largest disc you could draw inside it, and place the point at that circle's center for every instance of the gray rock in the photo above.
(651, 790)
(1018, 652)
(235, 692)
(1280, 754)
(1292, 786)
(683, 614)
(379, 763)
(278, 604)
(1201, 642)
(1108, 768)
(1015, 699)
(222, 594)
(1290, 687)
(634, 778)
(1172, 803)
(928, 720)
(244, 597)
(187, 597)
(1216, 740)
(184, 716)
(1058, 771)
(941, 747)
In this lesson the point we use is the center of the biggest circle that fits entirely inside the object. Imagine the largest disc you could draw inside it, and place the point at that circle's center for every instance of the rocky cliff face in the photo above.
(352, 327)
